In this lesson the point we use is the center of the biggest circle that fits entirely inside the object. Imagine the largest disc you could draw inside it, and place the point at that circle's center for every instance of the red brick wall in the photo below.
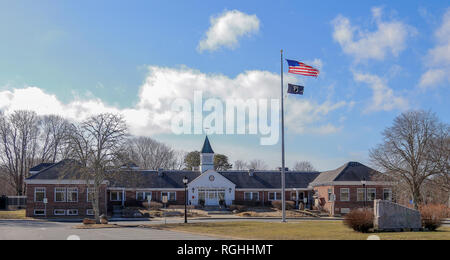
(264, 196)
(82, 205)
(130, 197)
(322, 192)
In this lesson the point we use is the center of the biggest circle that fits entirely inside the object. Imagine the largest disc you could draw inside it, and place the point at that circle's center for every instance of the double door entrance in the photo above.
(211, 197)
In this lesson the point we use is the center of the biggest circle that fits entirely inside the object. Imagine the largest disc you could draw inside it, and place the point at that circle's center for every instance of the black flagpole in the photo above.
(283, 183)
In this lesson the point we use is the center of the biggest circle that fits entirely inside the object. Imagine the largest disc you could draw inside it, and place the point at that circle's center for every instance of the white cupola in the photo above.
(206, 157)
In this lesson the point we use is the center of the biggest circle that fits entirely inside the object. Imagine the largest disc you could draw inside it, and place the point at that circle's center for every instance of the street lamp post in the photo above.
(364, 189)
(185, 181)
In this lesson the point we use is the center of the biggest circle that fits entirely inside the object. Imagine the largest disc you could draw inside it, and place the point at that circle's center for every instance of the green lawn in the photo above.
(14, 214)
(305, 230)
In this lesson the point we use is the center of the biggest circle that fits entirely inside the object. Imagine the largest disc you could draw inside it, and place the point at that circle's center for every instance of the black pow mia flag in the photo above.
(295, 89)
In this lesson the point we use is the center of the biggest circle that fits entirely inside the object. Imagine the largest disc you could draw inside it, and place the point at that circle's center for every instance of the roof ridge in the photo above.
(347, 164)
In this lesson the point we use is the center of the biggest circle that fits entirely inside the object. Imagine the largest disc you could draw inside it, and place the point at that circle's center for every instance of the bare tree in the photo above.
(405, 152)
(151, 154)
(304, 166)
(19, 146)
(240, 165)
(95, 143)
(53, 138)
(257, 165)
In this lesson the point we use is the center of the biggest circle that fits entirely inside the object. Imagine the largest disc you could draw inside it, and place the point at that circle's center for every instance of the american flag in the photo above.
(296, 67)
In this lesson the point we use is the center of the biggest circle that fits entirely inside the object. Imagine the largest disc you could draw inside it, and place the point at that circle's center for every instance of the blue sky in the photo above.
(377, 59)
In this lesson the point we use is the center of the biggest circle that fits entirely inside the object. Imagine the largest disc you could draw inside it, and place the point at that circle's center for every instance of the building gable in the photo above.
(211, 179)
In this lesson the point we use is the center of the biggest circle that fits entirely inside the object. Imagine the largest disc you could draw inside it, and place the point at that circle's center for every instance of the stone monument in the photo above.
(391, 216)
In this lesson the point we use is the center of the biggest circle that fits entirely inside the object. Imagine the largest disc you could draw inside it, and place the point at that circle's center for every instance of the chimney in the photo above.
(251, 172)
(160, 172)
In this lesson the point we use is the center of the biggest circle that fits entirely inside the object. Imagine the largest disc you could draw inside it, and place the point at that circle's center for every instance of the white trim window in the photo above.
(59, 212)
(89, 195)
(72, 194)
(330, 194)
(253, 196)
(72, 212)
(274, 196)
(371, 194)
(90, 212)
(142, 195)
(360, 194)
(39, 194)
(345, 194)
(39, 212)
(60, 194)
(116, 195)
(171, 195)
(387, 194)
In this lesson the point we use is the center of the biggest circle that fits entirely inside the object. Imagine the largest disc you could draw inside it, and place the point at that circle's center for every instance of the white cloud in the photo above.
(389, 38)
(152, 114)
(226, 30)
(438, 58)
(383, 97)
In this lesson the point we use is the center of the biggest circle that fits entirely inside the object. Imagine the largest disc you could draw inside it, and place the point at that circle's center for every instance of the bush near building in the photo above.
(360, 220)
(278, 204)
(433, 215)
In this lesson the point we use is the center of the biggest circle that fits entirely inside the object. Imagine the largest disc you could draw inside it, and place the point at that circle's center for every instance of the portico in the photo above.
(211, 189)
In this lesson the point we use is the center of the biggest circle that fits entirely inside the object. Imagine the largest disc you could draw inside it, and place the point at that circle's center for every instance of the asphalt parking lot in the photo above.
(42, 230)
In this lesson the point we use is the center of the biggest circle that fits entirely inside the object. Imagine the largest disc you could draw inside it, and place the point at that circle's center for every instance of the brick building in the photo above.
(352, 185)
(67, 195)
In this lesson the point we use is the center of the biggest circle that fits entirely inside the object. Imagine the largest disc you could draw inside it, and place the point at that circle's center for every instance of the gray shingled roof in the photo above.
(63, 170)
(351, 171)
(242, 179)
(207, 146)
(40, 167)
(151, 179)
(269, 179)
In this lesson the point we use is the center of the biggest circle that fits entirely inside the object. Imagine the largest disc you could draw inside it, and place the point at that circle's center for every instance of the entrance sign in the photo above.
(149, 199)
(332, 197)
(164, 199)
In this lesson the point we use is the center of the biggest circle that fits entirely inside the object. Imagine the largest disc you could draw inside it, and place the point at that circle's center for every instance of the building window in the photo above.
(89, 195)
(59, 212)
(171, 196)
(345, 194)
(142, 195)
(371, 194)
(72, 212)
(39, 212)
(360, 194)
(90, 212)
(60, 194)
(274, 195)
(39, 194)
(387, 194)
(251, 196)
(116, 195)
(72, 194)
(330, 193)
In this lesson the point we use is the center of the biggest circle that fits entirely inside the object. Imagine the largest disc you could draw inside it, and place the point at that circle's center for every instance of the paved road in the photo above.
(37, 230)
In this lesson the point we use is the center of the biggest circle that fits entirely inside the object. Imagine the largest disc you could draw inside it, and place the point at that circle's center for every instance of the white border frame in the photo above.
(340, 194)
(65, 195)
(54, 212)
(43, 210)
(45, 194)
(68, 214)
